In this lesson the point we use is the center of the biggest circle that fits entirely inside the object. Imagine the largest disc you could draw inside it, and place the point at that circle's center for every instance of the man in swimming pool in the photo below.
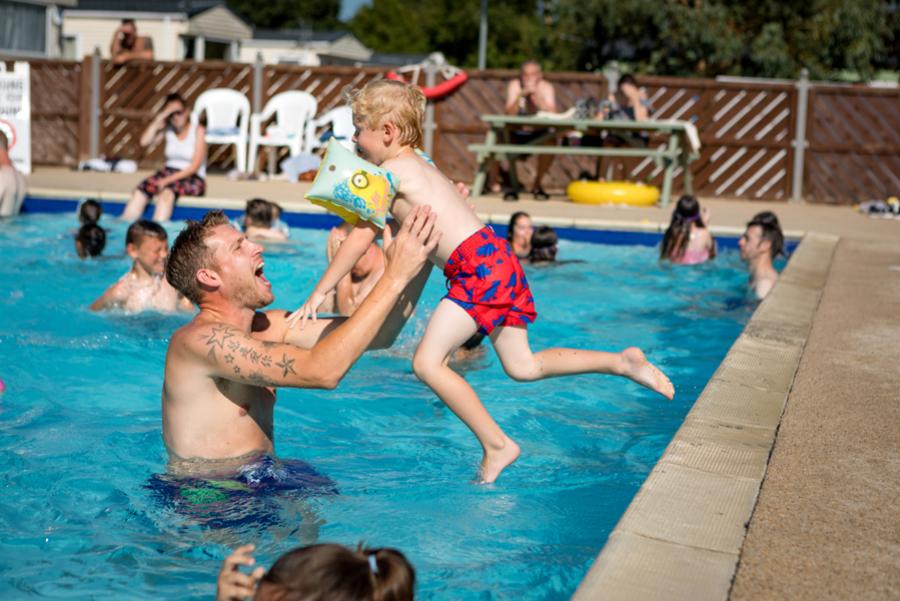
(761, 243)
(223, 368)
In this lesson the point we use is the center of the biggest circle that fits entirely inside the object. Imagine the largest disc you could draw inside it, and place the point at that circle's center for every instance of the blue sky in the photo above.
(349, 7)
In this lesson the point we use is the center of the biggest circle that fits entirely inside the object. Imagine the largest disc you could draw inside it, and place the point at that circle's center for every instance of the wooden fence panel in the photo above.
(745, 133)
(854, 144)
(55, 116)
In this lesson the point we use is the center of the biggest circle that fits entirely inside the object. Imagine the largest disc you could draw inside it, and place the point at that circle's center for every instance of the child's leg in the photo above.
(511, 344)
(448, 328)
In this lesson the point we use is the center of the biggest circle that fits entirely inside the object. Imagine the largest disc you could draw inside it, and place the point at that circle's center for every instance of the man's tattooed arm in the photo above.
(234, 355)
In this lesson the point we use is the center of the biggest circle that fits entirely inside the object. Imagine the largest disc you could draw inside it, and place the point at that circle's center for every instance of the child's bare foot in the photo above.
(643, 372)
(495, 461)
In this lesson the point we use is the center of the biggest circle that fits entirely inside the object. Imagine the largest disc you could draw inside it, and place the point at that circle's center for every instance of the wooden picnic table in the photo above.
(676, 152)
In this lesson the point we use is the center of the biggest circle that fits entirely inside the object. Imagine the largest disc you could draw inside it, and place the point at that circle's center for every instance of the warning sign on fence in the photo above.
(15, 114)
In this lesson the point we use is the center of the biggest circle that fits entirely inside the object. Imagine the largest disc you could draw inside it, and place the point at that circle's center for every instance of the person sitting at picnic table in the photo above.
(525, 96)
(185, 168)
(127, 45)
(627, 103)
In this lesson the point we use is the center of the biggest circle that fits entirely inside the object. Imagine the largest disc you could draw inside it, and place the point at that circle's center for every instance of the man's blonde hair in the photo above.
(387, 101)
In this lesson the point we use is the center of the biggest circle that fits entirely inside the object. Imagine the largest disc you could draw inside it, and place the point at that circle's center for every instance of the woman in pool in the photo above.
(687, 241)
(519, 234)
(185, 168)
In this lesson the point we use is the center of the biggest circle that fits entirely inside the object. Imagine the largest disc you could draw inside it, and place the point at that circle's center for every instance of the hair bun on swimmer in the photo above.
(351, 187)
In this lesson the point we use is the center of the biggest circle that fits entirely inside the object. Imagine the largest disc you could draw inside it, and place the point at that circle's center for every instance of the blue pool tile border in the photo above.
(324, 221)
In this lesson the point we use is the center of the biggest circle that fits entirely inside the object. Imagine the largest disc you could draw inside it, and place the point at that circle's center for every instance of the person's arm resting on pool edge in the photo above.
(234, 355)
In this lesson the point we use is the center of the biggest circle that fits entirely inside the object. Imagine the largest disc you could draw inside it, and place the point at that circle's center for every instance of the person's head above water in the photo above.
(763, 235)
(329, 572)
(148, 244)
(687, 214)
(386, 112)
(90, 240)
(543, 245)
(519, 233)
(259, 213)
(90, 211)
(212, 259)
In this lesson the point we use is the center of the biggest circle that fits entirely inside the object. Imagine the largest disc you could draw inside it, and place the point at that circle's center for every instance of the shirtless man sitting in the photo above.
(223, 368)
(144, 286)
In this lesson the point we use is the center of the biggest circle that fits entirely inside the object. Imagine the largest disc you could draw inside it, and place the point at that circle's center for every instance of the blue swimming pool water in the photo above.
(80, 440)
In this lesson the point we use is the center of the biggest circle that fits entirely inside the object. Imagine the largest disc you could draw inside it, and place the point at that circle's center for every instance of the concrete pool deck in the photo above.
(784, 480)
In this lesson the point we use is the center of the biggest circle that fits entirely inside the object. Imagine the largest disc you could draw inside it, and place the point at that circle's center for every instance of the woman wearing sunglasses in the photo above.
(185, 168)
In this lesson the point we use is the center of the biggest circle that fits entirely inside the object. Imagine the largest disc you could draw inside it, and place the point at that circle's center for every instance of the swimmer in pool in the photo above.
(487, 289)
(762, 242)
(223, 368)
(144, 286)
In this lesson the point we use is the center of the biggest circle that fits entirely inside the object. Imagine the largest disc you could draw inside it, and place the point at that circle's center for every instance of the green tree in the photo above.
(290, 14)
(766, 38)
(451, 27)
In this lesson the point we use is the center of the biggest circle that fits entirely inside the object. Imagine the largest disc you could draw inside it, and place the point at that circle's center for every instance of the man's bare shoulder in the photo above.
(201, 338)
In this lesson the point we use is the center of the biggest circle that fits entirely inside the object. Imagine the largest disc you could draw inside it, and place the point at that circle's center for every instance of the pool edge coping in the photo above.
(681, 536)
(302, 206)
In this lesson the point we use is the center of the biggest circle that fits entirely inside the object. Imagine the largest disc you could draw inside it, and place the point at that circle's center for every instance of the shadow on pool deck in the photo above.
(815, 372)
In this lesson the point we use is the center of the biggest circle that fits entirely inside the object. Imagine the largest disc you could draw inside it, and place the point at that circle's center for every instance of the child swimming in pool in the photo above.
(144, 287)
(487, 289)
(322, 572)
(687, 241)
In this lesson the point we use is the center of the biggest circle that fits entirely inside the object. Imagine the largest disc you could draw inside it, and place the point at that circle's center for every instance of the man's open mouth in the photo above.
(260, 277)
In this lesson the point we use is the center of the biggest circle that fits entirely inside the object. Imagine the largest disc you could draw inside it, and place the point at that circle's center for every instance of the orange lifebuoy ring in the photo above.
(438, 91)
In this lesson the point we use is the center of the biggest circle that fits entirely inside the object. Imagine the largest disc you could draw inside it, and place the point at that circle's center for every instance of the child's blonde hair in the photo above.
(387, 101)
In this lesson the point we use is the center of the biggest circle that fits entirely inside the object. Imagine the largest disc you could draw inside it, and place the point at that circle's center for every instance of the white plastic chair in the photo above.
(293, 127)
(227, 120)
(341, 121)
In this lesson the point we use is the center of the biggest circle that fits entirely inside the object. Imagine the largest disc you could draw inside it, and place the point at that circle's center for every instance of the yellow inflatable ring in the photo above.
(622, 193)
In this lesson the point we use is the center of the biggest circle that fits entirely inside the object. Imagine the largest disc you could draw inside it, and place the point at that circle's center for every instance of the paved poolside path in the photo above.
(827, 520)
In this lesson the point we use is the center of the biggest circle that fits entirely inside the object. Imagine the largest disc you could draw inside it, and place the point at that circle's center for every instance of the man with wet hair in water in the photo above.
(762, 242)
(144, 286)
(223, 368)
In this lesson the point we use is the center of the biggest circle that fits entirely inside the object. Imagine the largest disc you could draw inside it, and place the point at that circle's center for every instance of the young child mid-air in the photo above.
(487, 290)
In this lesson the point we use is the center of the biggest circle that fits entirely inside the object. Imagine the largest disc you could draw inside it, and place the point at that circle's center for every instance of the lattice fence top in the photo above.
(746, 128)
